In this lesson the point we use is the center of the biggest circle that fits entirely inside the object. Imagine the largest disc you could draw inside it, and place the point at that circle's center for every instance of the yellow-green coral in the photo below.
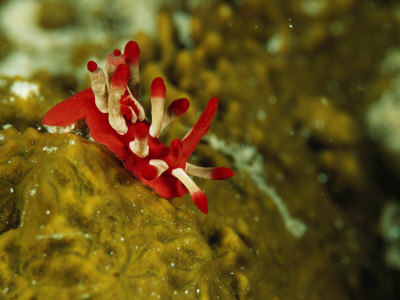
(79, 226)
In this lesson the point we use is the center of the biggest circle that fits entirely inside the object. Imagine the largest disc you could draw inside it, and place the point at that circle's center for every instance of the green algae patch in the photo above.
(76, 225)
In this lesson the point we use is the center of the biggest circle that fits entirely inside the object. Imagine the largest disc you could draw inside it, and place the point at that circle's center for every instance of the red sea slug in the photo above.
(116, 119)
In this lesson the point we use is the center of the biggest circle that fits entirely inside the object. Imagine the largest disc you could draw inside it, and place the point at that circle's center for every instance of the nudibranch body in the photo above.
(116, 119)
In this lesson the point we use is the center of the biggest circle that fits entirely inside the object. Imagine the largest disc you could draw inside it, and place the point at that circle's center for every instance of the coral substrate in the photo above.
(76, 225)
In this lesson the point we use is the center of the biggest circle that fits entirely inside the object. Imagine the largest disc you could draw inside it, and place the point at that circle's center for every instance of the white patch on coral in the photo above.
(182, 23)
(275, 43)
(313, 7)
(246, 158)
(390, 228)
(24, 89)
(383, 116)
(38, 48)
(49, 149)
(59, 129)
(58, 235)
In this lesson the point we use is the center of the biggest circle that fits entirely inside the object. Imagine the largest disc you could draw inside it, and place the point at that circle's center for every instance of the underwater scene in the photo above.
(242, 149)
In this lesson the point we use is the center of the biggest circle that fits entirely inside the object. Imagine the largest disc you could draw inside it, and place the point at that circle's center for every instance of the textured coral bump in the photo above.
(115, 118)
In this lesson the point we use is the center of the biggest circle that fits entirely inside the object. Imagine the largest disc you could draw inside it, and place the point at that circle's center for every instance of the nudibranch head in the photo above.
(116, 119)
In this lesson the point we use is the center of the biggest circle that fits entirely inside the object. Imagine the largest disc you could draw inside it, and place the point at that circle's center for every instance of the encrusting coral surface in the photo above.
(75, 225)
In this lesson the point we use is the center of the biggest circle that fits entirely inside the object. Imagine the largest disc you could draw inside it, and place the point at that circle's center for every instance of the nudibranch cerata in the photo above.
(116, 119)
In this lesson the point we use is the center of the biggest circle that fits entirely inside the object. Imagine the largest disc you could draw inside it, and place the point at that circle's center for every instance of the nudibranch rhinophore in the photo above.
(116, 119)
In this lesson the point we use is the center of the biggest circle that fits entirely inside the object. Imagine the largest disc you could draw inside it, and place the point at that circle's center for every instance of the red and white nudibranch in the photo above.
(115, 118)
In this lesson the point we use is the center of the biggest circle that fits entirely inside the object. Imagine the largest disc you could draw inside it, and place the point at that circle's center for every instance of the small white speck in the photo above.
(122, 239)
(32, 192)
(11, 190)
(71, 142)
(47, 212)
(49, 149)
(172, 264)
(6, 126)
(1, 137)
(198, 291)
(290, 25)
(186, 292)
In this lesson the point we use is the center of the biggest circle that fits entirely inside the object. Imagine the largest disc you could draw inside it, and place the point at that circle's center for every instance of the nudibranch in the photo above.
(116, 119)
